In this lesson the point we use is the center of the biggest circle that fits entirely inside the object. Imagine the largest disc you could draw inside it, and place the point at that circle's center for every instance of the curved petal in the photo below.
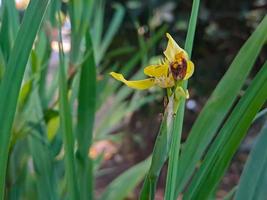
(189, 70)
(156, 70)
(140, 85)
(172, 49)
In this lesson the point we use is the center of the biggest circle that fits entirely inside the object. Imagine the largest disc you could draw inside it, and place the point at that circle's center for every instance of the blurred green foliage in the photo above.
(101, 36)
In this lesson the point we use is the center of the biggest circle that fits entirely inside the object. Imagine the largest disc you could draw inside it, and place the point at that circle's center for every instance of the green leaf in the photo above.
(86, 100)
(79, 15)
(9, 27)
(229, 138)
(10, 85)
(75, 11)
(2, 65)
(24, 94)
(97, 24)
(260, 114)
(51, 12)
(66, 126)
(119, 188)
(43, 51)
(219, 104)
(230, 194)
(159, 156)
(39, 149)
(86, 115)
(253, 181)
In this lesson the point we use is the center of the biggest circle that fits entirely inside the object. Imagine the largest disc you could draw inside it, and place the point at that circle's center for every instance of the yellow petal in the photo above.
(189, 70)
(165, 82)
(172, 49)
(140, 85)
(156, 70)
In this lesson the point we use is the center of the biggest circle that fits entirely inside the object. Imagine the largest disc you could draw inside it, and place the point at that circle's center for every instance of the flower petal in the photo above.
(165, 82)
(140, 85)
(189, 70)
(172, 49)
(156, 70)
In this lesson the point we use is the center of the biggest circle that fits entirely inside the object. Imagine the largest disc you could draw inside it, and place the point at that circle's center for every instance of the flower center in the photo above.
(178, 67)
(164, 81)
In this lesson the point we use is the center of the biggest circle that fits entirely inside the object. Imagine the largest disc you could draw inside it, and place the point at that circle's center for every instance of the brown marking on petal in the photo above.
(183, 69)
(178, 69)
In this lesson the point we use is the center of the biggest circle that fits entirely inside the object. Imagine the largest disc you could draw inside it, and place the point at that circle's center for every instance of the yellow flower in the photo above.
(175, 67)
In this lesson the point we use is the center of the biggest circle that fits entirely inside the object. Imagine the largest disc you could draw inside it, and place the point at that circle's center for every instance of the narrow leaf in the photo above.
(159, 155)
(86, 114)
(39, 149)
(66, 125)
(229, 138)
(9, 27)
(253, 181)
(219, 104)
(10, 85)
(119, 188)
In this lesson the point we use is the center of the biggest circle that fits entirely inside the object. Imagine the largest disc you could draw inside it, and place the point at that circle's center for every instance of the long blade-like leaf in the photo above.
(66, 125)
(86, 114)
(119, 188)
(39, 148)
(79, 11)
(223, 97)
(252, 185)
(10, 85)
(9, 27)
(229, 138)
(159, 156)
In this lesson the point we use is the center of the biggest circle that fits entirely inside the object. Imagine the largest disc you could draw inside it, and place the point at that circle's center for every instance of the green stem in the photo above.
(178, 121)
(159, 156)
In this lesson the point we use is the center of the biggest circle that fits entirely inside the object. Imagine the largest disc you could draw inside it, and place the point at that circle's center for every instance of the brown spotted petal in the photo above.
(178, 69)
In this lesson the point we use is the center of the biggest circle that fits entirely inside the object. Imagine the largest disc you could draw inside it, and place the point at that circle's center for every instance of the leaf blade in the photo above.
(86, 117)
(66, 124)
(218, 105)
(10, 85)
(255, 171)
(118, 190)
(229, 138)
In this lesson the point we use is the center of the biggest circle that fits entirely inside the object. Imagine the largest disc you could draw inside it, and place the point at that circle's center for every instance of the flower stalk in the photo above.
(171, 73)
